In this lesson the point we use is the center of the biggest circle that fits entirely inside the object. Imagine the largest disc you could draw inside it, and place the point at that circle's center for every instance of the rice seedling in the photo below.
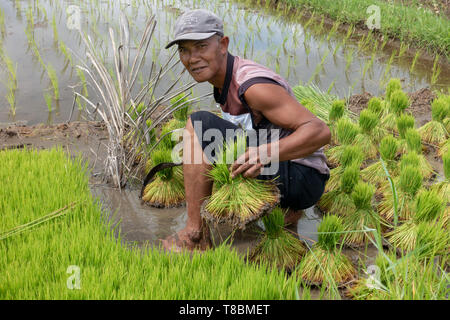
(349, 57)
(240, 200)
(374, 173)
(362, 217)
(65, 52)
(54, 81)
(48, 101)
(325, 262)
(346, 132)
(428, 207)
(2, 23)
(436, 70)
(277, 247)
(370, 134)
(167, 189)
(339, 200)
(85, 236)
(350, 155)
(409, 183)
(434, 131)
(55, 29)
(416, 57)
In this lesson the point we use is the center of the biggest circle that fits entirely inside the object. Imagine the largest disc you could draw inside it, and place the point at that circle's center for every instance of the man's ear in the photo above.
(224, 42)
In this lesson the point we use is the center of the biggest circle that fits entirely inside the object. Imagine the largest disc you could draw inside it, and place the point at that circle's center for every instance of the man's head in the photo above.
(201, 45)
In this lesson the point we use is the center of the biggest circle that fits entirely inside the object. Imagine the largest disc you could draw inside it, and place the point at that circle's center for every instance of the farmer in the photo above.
(251, 97)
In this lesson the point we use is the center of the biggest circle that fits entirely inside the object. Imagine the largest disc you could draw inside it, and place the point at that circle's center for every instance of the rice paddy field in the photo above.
(380, 231)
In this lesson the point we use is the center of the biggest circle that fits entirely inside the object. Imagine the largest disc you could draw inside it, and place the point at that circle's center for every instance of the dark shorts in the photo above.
(300, 186)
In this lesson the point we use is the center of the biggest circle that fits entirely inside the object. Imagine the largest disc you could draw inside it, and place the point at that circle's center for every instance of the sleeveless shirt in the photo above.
(241, 74)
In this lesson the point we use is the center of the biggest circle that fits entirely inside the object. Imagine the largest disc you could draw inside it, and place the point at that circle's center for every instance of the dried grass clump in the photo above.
(277, 247)
(325, 262)
(240, 200)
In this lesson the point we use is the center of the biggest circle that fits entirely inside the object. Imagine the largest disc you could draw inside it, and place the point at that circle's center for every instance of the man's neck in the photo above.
(219, 79)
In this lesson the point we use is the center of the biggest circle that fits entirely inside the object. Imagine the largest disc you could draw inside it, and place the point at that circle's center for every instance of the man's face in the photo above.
(203, 58)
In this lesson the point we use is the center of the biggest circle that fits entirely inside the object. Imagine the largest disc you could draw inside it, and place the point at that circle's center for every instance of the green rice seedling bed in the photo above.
(36, 257)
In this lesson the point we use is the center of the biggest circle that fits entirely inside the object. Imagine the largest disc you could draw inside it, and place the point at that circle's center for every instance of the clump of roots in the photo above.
(277, 247)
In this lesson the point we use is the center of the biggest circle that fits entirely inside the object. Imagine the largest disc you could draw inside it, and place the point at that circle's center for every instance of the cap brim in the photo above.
(191, 36)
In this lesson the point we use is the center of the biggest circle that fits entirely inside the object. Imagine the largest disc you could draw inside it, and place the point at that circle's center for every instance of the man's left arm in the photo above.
(309, 133)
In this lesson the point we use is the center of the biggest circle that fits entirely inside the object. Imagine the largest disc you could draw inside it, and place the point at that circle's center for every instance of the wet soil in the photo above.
(420, 106)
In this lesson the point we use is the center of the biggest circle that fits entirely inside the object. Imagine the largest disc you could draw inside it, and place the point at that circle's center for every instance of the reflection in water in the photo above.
(300, 54)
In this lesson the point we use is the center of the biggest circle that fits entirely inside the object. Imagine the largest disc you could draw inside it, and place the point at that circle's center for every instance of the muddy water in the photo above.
(144, 225)
(283, 44)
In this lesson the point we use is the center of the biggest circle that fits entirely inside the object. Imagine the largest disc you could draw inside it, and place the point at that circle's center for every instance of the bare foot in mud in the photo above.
(187, 239)
(292, 217)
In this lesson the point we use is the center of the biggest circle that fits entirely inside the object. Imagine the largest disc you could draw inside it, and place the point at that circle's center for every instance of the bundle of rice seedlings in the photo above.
(434, 131)
(350, 155)
(240, 200)
(403, 123)
(397, 102)
(336, 112)
(432, 240)
(325, 262)
(428, 207)
(277, 247)
(443, 187)
(339, 201)
(362, 217)
(376, 106)
(375, 173)
(407, 186)
(167, 188)
(393, 85)
(346, 132)
(414, 145)
(369, 135)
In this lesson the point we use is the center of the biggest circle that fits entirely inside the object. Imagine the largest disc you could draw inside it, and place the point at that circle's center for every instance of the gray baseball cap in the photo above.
(196, 25)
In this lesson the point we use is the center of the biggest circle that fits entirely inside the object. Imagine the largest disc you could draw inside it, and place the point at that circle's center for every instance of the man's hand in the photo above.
(249, 164)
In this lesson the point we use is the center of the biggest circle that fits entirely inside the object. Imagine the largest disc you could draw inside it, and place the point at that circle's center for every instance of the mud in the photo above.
(420, 104)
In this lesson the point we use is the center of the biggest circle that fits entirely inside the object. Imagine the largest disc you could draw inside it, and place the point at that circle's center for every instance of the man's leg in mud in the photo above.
(197, 187)
(291, 218)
